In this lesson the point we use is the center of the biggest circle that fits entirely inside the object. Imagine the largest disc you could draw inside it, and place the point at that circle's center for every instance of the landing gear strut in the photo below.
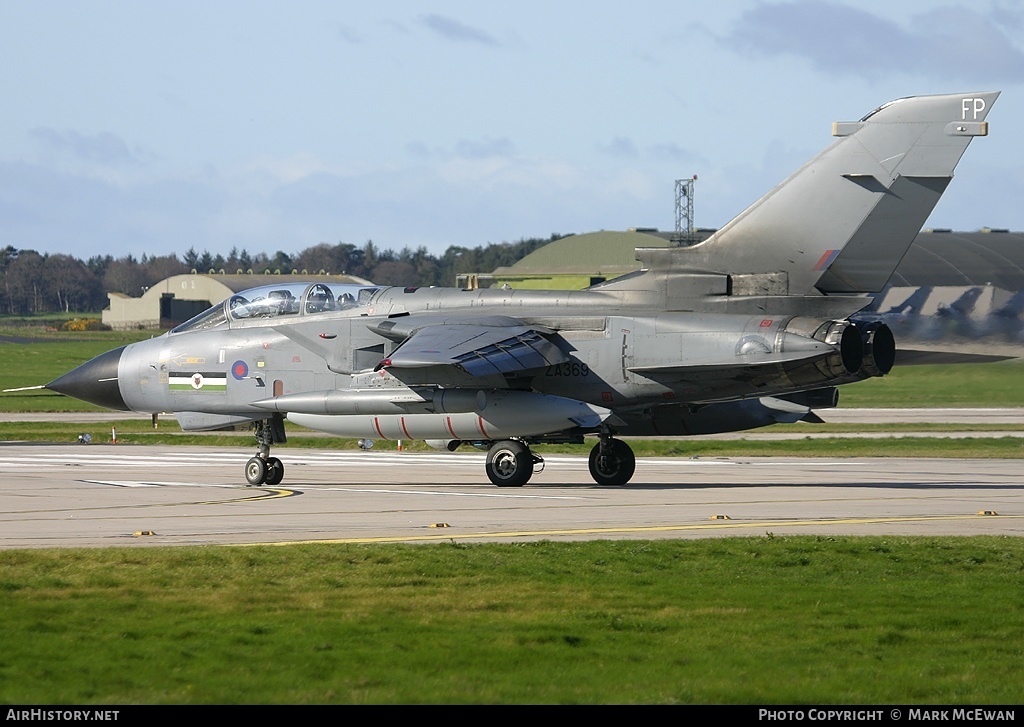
(262, 469)
(510, 463)
(612, 462)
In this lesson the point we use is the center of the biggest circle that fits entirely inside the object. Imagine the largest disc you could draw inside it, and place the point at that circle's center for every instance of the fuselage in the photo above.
(278, 349)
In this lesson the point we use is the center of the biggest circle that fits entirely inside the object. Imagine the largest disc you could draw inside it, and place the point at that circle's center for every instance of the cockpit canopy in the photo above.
(275, 301)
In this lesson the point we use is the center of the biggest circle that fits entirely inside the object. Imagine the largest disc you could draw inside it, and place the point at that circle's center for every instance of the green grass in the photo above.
(48, 355)
(766, 620)
(996, 384)
(142, 433)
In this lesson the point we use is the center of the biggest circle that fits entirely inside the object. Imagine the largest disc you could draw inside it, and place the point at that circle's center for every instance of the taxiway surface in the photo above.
(128, 495)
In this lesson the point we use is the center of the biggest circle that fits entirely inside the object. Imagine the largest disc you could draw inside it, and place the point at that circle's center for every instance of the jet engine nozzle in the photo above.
(848, 340)
(879, 349)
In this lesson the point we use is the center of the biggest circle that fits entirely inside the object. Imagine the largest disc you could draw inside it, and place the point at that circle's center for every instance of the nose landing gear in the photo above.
(262, 469)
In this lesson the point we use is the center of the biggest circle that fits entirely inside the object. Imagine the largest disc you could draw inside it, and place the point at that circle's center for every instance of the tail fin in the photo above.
(1013, 307)
(843, 221)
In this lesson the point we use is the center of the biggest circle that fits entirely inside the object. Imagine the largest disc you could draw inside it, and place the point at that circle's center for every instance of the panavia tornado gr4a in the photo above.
(750, 327)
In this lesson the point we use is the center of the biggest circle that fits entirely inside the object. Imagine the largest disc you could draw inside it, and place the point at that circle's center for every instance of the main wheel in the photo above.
(256, 471)
(614, 466)
(509, 464)
(275, 471)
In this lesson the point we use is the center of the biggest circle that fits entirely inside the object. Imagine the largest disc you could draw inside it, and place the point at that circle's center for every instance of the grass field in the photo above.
(765, 620)
(907, 445)
(35, 356)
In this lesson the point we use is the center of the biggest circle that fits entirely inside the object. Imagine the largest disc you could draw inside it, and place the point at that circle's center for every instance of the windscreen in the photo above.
(209, 318)
(281, 301)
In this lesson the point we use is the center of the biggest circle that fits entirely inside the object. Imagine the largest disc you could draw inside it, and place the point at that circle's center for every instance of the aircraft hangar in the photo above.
(950, 263)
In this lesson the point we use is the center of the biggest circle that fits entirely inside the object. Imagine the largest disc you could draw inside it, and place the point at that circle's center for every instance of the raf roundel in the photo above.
(239, 369)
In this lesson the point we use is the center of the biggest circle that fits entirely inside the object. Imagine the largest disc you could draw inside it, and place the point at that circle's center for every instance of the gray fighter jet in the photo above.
(748, 328)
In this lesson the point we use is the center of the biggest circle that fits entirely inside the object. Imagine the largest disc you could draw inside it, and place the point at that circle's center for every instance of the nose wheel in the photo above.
(262, 469)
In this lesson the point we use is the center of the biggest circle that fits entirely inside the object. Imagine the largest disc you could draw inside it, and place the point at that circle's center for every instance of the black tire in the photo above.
(509, 464)
(616, 466)
(256, 471)
(275, 471)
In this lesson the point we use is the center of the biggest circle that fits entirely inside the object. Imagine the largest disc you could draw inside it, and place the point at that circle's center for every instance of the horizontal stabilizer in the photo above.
(922, 357)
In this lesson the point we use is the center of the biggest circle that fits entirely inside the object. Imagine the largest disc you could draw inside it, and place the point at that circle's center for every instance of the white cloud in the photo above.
(950, 42)
(451, 29)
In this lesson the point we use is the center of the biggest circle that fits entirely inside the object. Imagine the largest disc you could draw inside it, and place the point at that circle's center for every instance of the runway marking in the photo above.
(360, 490)
(375, 460)
(130, 483)
(228, 459)
(717, 525)
(297, 458)
(268, 493)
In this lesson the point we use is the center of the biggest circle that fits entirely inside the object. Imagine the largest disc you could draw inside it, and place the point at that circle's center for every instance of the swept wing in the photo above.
(477, 346)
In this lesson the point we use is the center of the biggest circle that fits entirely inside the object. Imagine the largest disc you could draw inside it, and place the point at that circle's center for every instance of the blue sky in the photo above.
(133, 127)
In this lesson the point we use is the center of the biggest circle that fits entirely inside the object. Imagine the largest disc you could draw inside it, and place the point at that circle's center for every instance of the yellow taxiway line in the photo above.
(717, 525)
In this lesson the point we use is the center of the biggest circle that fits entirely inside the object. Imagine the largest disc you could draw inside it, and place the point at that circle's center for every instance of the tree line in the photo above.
(35, 282)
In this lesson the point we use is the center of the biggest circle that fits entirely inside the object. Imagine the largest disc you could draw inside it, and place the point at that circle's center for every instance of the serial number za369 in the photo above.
(569, 368)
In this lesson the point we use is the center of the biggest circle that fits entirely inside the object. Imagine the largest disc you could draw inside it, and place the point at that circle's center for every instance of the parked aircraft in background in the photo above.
(913, 305)
(974, 319)
(748, 328)
(911, 322)
(1006, 321)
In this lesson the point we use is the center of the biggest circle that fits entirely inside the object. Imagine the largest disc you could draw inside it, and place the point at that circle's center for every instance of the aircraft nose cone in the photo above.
(95, 381)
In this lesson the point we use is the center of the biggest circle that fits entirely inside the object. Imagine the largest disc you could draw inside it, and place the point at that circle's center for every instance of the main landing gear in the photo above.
(510, 463)
(612, 462)
(262, 469)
